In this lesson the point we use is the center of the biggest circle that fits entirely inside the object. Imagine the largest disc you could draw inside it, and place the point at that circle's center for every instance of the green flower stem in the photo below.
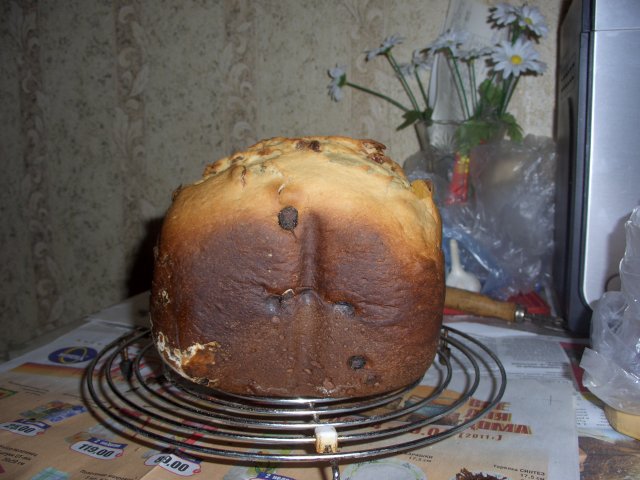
(379, 95)
(493, 76)
(403, 81)
(515, 33)
(483, 102)
(513, 82)
(472, 79)
(422, 90)
(461, 91)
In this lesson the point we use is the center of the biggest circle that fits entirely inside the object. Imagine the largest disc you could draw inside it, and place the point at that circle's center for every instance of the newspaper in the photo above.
(604, 452)
(48, 429)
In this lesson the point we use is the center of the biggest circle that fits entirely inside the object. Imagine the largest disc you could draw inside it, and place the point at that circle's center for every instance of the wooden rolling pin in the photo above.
(481, 305)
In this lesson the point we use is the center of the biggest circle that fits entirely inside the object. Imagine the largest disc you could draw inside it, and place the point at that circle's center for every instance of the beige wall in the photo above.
(107, 106)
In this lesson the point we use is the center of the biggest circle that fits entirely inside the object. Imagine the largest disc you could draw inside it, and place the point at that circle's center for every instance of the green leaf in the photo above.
(490, 94)
(410, 118)
(476, 131)
(514, 131)
(427, 114)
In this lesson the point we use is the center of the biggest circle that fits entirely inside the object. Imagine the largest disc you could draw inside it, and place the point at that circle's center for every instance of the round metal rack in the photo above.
(133, 392)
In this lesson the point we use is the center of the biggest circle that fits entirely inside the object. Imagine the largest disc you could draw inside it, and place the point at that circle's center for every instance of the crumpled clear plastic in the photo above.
(505, 229)
(612, 364)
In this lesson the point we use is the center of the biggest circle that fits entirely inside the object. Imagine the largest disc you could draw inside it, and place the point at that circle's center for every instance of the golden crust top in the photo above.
(338, 147)
(346, 178)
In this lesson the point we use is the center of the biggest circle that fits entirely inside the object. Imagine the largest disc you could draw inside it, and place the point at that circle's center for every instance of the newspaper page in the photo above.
(604, 452)
(49, 429)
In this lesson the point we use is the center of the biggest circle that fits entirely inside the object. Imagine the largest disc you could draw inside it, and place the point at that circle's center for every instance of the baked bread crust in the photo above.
(302, 267)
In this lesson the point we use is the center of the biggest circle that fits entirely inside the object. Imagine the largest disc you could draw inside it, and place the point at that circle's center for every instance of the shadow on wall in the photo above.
(141, 271)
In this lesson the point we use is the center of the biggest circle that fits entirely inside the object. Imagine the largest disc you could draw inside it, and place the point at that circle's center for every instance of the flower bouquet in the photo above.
(420, 63)
(483, 101)
(485, 104)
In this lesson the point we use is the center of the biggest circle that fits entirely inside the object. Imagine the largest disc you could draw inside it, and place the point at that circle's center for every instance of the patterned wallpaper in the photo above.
(108, 106)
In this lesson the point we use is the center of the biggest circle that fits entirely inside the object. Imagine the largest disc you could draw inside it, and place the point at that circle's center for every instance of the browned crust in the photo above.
(341, 295)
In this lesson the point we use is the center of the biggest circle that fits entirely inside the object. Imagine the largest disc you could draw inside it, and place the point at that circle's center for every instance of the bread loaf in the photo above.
(303, 267)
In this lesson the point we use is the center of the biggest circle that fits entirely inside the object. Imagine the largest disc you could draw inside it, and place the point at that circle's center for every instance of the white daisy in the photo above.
(422, 60)
(451, 40)
(475, 53)
(387, 45)
(531, 19)
(504, 14)
(517, 58)
(339, 78)
(538, 67)
(407, 69)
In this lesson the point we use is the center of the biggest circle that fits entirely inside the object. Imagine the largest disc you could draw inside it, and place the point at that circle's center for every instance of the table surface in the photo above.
(547, 427)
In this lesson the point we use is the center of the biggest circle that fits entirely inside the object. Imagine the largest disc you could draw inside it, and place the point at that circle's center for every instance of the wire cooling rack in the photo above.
(134, 393)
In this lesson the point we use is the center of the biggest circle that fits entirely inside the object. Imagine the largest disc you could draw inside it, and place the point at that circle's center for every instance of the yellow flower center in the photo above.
(528, 21)
(516, 59)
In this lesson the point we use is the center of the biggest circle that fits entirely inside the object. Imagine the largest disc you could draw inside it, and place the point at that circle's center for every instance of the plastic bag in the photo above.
(612, 364)
(505, 229)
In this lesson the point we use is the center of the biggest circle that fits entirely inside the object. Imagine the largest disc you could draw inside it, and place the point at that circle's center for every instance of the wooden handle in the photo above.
(477, 304)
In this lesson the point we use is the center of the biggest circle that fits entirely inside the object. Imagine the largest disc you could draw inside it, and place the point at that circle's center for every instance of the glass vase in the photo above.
(437, 149)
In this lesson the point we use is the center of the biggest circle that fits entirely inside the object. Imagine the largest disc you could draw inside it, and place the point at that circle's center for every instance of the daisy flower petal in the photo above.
(504, 14)
(407, 69)
(531, 19)
(386, 45)
(451, 40)
(538, 67)
(517, 58)
(338, 78)
(421, 60)
(475, 53)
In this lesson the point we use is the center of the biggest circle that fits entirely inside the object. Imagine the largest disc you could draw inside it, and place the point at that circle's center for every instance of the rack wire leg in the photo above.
(335, 470)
